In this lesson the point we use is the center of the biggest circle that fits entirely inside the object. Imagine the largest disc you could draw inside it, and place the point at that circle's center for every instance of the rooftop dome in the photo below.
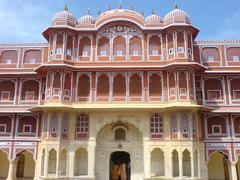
(64, 18)
(153, 19)
(87, 19)
(177, 16)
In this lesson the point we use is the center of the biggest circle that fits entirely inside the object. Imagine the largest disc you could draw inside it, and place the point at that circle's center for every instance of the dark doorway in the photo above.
(20, 165)
(119, 168)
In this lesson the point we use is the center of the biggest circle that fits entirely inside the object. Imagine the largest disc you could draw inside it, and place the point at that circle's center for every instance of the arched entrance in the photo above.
(120, 165)
(25, 165)
(4, 165)
(218, 167)
(119, 140)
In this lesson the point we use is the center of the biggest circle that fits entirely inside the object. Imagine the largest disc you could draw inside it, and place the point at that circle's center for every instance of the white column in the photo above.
(91, 158)
(146, 158)
(233, 171)
(71, 163)
(180, 164)
(12, 169)
(57, 163)
(192, 163)
(46, 164)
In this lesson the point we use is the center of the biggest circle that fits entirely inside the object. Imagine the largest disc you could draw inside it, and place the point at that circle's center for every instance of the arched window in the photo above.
(194, 126)
(7, 90)
(175, 164)
(45, 125)
(180, 42)
(189, 40)
(69, 48)
(54, 125)
(85, 47)
(119, 87)
(172, 85)
(119, 46)
(59, 45)
(57, 84)
(135, 87)
(173, 126)
(233, 54)
(157, 163)
(170, 44)
(182, 84)
(154, 46)
(65, 125)
(185, 126)
(83, 93)
(156, 126)
(135, 46)
(155, 87)
(103, 47)
(33, 57)
(82, 125)
(213, 90)
(30, 90)
(103, 87)
(9, 57)
(120, 134)
(67, 86)
(186, 157)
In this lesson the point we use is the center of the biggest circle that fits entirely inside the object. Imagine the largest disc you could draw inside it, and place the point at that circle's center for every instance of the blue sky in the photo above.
(25, 20)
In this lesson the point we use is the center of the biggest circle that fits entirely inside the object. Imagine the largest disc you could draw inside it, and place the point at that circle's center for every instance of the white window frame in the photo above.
(119, 53)
(235, 58)
(217, 126)
(2, 95)
(181, 50)
(234, 95)
(8, 61)
(155, 53)
(103, 53)
(210, 58)
(66, 92)
(59, 51)
(32, 60)
(5, 128)
(29, 94)
(30, 128)
(85, 53)
(213, 99)
(135, 53)
(69, 52)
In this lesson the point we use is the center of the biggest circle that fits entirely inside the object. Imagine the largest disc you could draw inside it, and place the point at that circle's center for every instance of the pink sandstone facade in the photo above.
(120, 87)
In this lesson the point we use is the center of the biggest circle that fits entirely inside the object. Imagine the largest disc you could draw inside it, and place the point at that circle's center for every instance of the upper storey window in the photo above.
(156, 126)
(9, 57)
(170, 44)
(103, 47)
(213, 89)
(135, 46)
(119, 46)
(210, 54)
(154, 45)
(233, 54)
(85, 47)
(69, 47)
(180, 42)
(33, 56)
(7, 90)
(59, 44)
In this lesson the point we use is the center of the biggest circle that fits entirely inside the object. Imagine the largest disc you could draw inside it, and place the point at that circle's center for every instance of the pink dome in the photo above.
(153, 19)
(87, 19)
(178, 16)
(64, 18)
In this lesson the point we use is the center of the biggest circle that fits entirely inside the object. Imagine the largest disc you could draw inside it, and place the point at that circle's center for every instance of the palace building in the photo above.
(120, 90)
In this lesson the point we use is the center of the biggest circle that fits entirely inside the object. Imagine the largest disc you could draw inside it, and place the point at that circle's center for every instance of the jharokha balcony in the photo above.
(121, 87)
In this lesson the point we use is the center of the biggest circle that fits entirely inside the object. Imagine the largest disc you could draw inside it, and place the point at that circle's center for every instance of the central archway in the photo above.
(118, 141)
(120, 165)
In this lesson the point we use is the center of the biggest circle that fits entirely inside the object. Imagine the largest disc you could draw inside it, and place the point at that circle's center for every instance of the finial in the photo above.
(109, 6)
(153, 11)
(65, 7)
(99, 11)
(132, 7)
(175, 5)
(120, 4)
(88, 11)
(142, 12)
